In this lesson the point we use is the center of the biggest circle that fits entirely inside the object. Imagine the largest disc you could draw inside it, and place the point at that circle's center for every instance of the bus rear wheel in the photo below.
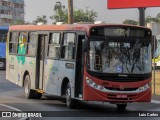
(29, 93)
(69, 101)
(2, 64)
(121, 107)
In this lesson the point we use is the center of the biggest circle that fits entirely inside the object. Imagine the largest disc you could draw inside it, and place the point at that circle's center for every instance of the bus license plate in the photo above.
(121, 96)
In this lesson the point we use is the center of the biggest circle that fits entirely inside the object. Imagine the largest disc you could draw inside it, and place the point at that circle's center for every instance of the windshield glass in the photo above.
(123, 57)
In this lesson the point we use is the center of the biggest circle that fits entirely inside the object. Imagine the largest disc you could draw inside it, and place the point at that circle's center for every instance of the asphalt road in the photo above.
(12, 99)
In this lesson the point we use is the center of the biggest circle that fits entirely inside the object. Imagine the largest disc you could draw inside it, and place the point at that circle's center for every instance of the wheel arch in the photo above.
(64, 85)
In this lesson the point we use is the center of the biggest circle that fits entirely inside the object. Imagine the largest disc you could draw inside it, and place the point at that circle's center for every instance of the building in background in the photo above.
(155, 27)
(11, 11)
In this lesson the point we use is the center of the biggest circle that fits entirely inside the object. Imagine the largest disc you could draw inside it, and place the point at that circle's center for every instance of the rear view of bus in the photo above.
(118, 65)
(3, 36)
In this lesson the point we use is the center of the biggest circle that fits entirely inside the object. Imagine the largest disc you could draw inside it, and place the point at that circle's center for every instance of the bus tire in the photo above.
(37, 95)
(2, 64)
(121, 107)
(69, 101)
(29, 93)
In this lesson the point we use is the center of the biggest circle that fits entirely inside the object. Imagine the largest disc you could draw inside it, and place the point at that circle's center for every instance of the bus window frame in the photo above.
(21, 43)
(11, 42)
(36, 43)
(48, 45)
(75, 46)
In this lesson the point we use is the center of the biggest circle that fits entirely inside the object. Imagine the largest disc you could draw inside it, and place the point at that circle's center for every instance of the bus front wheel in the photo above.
(121, 107)
(69, 101)
(29, 93)
(27, 88)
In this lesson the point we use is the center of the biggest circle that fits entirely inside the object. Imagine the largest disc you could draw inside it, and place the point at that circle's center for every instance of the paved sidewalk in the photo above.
(156, 97)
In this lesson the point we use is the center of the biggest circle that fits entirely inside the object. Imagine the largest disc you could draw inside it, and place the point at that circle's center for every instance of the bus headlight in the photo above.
(94, 85)
(145, 87)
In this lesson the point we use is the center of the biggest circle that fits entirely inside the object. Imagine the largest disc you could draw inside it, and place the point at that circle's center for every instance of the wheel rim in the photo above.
(26, 87)
(68, 95)
(1, 64)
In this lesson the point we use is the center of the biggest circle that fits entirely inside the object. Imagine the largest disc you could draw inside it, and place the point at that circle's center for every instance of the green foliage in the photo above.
(60, 13)
(40, 19)
(86, 15)
(131, 22)
(153, 19)
(148, 19)
(17, 22)
(80, 15)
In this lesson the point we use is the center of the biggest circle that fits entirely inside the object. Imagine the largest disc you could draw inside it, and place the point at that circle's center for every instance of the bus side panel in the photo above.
(12, 71)
(29, 67)
(67, 70)
(51, 75)
(17, 66)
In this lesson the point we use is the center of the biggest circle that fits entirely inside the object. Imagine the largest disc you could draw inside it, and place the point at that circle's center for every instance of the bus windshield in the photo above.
(119, 55)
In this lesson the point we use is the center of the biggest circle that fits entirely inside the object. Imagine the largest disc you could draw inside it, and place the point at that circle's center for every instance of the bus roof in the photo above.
(4, 28)
(61, 27)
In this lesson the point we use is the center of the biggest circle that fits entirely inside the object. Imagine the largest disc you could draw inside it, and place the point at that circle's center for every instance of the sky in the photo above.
(34, 8)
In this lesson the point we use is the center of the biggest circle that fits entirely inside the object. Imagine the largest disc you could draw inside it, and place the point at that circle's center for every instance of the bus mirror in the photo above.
(84, 45)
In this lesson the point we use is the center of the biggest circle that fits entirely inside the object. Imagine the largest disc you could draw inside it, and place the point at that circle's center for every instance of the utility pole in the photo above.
(142, 16)
(70, 11)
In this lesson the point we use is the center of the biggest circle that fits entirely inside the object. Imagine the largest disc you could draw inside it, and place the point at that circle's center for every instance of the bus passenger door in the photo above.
(81, 38)
(42, 38)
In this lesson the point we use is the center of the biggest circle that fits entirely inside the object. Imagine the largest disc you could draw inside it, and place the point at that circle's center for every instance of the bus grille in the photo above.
(118, 89)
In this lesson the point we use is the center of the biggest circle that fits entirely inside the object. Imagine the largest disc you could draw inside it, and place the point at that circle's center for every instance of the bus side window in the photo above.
(13, 42)
(54, 45)
(68, 46)
(31, 44)
(22, 41)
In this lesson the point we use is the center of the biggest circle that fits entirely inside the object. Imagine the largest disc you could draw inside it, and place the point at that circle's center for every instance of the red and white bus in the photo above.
(91, 62)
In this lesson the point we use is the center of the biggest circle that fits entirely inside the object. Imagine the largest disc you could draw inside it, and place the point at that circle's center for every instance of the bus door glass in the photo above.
(42, 38)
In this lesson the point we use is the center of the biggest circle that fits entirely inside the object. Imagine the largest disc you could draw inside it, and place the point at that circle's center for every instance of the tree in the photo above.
(152, 19)
(40, 19)
(86, 15)
(80, 15)
(132, 22)
(17, 22)
(158, 16)
(148, 19)
(61, 14)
